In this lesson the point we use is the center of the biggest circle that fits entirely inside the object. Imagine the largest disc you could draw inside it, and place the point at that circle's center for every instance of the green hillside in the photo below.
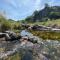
(47, 23)
(47, 13)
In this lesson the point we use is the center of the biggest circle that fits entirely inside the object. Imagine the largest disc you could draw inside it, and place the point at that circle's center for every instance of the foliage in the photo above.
(6, 26)
(47, 34)
(46, 23)
(9, 24)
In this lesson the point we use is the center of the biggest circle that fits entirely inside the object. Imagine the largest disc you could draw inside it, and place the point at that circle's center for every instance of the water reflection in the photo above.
(25, 33)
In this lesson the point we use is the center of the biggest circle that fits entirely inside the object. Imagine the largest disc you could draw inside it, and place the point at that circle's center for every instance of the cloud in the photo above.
(25, 2)
(39, 4)
(11, 3)
(51, 2)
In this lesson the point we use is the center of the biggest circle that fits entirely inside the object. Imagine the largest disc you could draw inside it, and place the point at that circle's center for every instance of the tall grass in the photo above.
(47, 34)
(46, 23)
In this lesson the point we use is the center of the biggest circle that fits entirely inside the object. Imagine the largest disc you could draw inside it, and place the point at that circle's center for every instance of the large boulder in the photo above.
(38, 27)
(3, 36)
(12, 36)
(25, 25)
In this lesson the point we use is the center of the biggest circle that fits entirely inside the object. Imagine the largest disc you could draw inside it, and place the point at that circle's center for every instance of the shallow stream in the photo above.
(42, 50)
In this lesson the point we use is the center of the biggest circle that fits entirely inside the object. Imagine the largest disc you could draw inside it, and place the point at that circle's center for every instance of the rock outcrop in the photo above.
(32, 50)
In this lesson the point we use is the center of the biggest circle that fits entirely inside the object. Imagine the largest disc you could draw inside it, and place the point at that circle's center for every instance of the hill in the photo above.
(47, 13)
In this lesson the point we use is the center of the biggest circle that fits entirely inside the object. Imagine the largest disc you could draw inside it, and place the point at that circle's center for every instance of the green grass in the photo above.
(46, 23)
(47, 35)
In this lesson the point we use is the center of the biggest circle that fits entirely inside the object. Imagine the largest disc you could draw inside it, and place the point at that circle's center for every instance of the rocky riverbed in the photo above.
(33, 48)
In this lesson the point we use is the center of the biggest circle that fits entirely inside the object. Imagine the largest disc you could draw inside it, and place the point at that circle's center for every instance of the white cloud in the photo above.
(51, 2)
(12, 3)
(25, 2)
(39, 4)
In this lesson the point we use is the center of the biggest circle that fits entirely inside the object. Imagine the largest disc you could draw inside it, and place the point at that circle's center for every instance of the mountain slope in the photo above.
(47, 13)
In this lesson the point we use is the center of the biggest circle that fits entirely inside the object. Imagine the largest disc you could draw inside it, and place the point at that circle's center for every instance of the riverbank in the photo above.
(44, 32)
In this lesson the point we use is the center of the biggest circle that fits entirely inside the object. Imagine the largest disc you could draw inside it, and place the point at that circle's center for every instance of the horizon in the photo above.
(20, 9)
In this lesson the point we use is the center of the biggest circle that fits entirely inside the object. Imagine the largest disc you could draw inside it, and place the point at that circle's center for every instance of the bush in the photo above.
(6, 26)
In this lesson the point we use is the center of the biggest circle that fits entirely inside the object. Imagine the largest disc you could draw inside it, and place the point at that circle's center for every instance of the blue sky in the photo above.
(20, 9)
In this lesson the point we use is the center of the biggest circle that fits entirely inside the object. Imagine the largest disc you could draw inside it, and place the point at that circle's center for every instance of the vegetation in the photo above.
(47, 34)
(46, 23)
(9, 24)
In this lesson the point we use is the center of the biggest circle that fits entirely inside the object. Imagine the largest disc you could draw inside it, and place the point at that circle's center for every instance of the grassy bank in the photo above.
(47, 34)
(46, 23)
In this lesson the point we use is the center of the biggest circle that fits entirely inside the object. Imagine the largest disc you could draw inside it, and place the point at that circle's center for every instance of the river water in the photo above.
(42, 50)
(25, 33)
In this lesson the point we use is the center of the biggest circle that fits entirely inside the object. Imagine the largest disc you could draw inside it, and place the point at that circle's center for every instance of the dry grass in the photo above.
(47, 34)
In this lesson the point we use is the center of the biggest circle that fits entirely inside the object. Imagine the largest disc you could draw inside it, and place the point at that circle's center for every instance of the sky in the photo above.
(20, 9)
